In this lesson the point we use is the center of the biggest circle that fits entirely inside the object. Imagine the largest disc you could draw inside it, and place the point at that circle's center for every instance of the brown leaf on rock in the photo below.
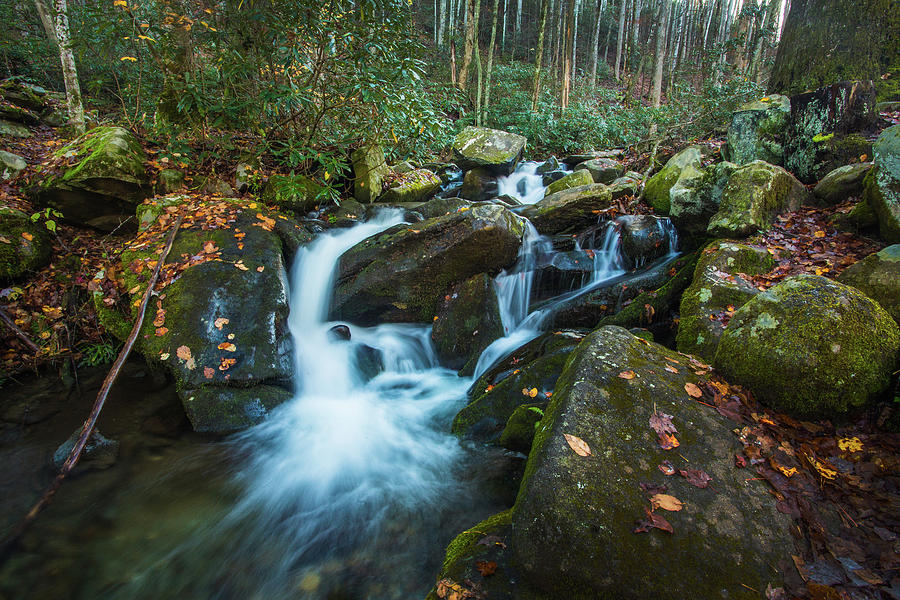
(447, 589)
(666, 502)
(662, 423)
(626, 375)
(220, 322)
(577, 444)
(160, 318)
(696, 477)
(666, 467)
(227, 346)
(653, 521)
(486, 567)
(183, 352)
(667, 441)
(692, 390)
(208, 372)
(161, 331)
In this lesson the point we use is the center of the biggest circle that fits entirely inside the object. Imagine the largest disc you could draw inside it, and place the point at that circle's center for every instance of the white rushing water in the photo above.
(524, 184)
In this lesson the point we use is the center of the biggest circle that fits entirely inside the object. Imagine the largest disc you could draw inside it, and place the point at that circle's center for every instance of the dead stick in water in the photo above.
(21, 334)
(91, 421)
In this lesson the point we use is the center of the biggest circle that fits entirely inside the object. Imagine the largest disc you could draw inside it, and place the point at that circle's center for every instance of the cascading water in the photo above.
(525, 183)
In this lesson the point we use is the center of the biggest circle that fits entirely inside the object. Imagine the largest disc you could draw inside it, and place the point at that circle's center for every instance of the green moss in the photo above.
(822, 137)
(575, 179)
(24, 244)
(296, 193)
(101, 151)
(465, 545)
(656, 190)
(519, 430)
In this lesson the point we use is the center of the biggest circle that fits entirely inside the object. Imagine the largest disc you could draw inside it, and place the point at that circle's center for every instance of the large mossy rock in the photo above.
(14, 130)
(720, 286)
(369, 171)
(758, 130)
(402, 273)
(824, 128)
(603, 170)
(571, 534)
(11, 164)
(102, 182)
(479, 184)
(508, 384)
(220, 327)
(696, 197)
(497, 151)
(810, 346)
(842, 184)
(878, 277)
(882, 185)
(415, 185)
(576, 179)
(296, 193)
(24, 244)
(468, 320)
(569, 210)
(756, 193)
(656, 190)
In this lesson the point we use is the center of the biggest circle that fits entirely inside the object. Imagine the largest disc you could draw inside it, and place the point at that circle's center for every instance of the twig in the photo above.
(91, 421)
(21, 334)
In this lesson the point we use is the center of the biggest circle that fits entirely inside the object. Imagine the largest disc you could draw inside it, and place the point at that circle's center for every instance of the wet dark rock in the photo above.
(497, 151)
(644, 238)
(551, 164)
(551, 176)
(569, 210)
(561, 272)
(468, 320)
(479, 184)
(99, 453)
(339, 332)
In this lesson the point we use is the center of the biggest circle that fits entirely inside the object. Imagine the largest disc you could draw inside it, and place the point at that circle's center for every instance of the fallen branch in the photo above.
(21, 334)
(88, 428)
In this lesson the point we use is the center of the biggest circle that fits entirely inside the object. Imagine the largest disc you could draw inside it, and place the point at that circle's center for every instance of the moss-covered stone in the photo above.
(24, 244)
(468, 320)
(860, 218)
(569, 210)
(14, 130)
(402, 273)
(572, 525)
(758, 130)
(719, 287)
(575, 179)
(104, 183)
(440, 207)
(878, 277)
(882, 185)
(23, 94)
(479, 184)
(296, 193)
(519, 430)
(369, 171)
(603, 170)
(842, 183)
(696, 196)
(625, 186)
(810, 346)
(169, 181)
(347, 214)
(498, 151)
(497, 393)
(11, 164)
(754, 195)
(149, 211)
(416, 185)
(656, 190)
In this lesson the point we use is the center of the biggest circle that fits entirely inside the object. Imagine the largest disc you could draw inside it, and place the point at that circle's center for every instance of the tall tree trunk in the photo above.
(539, 56)
(46, 15)
(472, 10)
(503, 36)
(441, 22)
(620, 38)
(569, 41)
(595, 46)
(70, 74)
(665, 13)
(490, 61)
(452, 62)
(479, 80)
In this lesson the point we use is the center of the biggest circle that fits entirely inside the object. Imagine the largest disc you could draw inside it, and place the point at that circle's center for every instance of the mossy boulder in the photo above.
(416, 185)
(720, 286)
(882, 185)
(498, 392)
(479, 184)
(520, 428)
(220, 327)
(149, 211)
(878, 277)
(104, 180)
(11, 164)
(842, 183)
(603, 170)
(624, 186)
(824, 128)
(758, 131)
(497, 151)
(468, 320)
(347, 214)
(24, 244)
(810, 347)
(569, 210)
(169, 181)
(439, 207)
(402, 273)
(296, 193)
(26, 95)
(696, 196)
(755, 194)
(575, 179)
(572, 529)
(369, 171)
(656, 190)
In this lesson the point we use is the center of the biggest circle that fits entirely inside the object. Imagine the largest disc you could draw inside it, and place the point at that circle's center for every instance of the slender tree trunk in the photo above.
(539, 56)
(46, 15)
(569, 40)
(665, 13)
(479, 81)
(595, 45)
(619, 39)
(472, 9)
(490, 61)
(452, 62)
(70, 74)
(441, 22)
(503, 36)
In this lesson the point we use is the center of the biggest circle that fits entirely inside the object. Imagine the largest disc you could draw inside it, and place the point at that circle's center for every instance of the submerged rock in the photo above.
(402, 273)
(810, 347)
(756, 193)
(882, 185)
(24, 244)
(100, 452)
(878, 277)
(758, 131)
(468, 320)
(495, 150)
(656, 190)
(569, 210)
(104, 182)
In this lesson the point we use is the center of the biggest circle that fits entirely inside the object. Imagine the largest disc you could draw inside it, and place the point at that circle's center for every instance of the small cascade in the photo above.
(524, 184)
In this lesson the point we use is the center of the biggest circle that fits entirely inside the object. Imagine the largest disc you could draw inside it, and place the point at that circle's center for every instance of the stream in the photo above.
(350, 490)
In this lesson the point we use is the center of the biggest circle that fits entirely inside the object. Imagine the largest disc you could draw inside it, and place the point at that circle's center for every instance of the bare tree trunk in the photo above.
(70, 74)
(595, 45)
(569, 41)
(441, 22)
(665, 13)
(490, 60)
(452, 62)
(620, 38)
(46, 16)
(539, 56)
(503, 36)
(472, 9)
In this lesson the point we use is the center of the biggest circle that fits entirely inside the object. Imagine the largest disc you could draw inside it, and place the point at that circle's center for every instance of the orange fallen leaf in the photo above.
(668, 441)
(209, 247)
(226, 363)
(208, 372)
(627, 375)
(160, 318)
(220, 322)
(671, 369)
(161, 331)
(577, 444)
(183, 352)
(27, 236)
(692, 390)
(819, 234)
(666, 502)
(227, 346)
(486, 568)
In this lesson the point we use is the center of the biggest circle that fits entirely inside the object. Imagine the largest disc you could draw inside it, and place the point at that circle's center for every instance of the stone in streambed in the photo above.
(569, 210)
(468, 320)
(878, 277)
(497, 151)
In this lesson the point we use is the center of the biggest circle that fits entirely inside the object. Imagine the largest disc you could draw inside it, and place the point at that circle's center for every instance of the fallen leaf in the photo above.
(666, 502)
(164, 356)
(671, 369)
(226, 363)
(220, 322)
(160, 318)
(652, 521)
(161, 331)
(486, 568)
(696, 477)
(190, 364)
(227, 346)
(662, 423)
(819, 234)
(27, 236)
(578, 445)
(447, 589)
(667, 441)
(852, 444)
(627, 374)
(666, 467)
(692, 390)
(183, 352)
(240, 265)
(260, 269)
(209, 247)
(208, 372)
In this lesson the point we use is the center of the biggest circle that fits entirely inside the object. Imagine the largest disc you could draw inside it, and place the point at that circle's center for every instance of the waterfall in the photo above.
(525, 183)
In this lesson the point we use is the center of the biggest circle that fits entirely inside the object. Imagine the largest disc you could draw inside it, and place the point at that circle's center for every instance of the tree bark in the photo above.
(665, 13)
(620, 38)
(569, 41)
(70, 73)
(472, 7)
(490, 61)
(595, 45)
(46, 16)
(539, 56)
